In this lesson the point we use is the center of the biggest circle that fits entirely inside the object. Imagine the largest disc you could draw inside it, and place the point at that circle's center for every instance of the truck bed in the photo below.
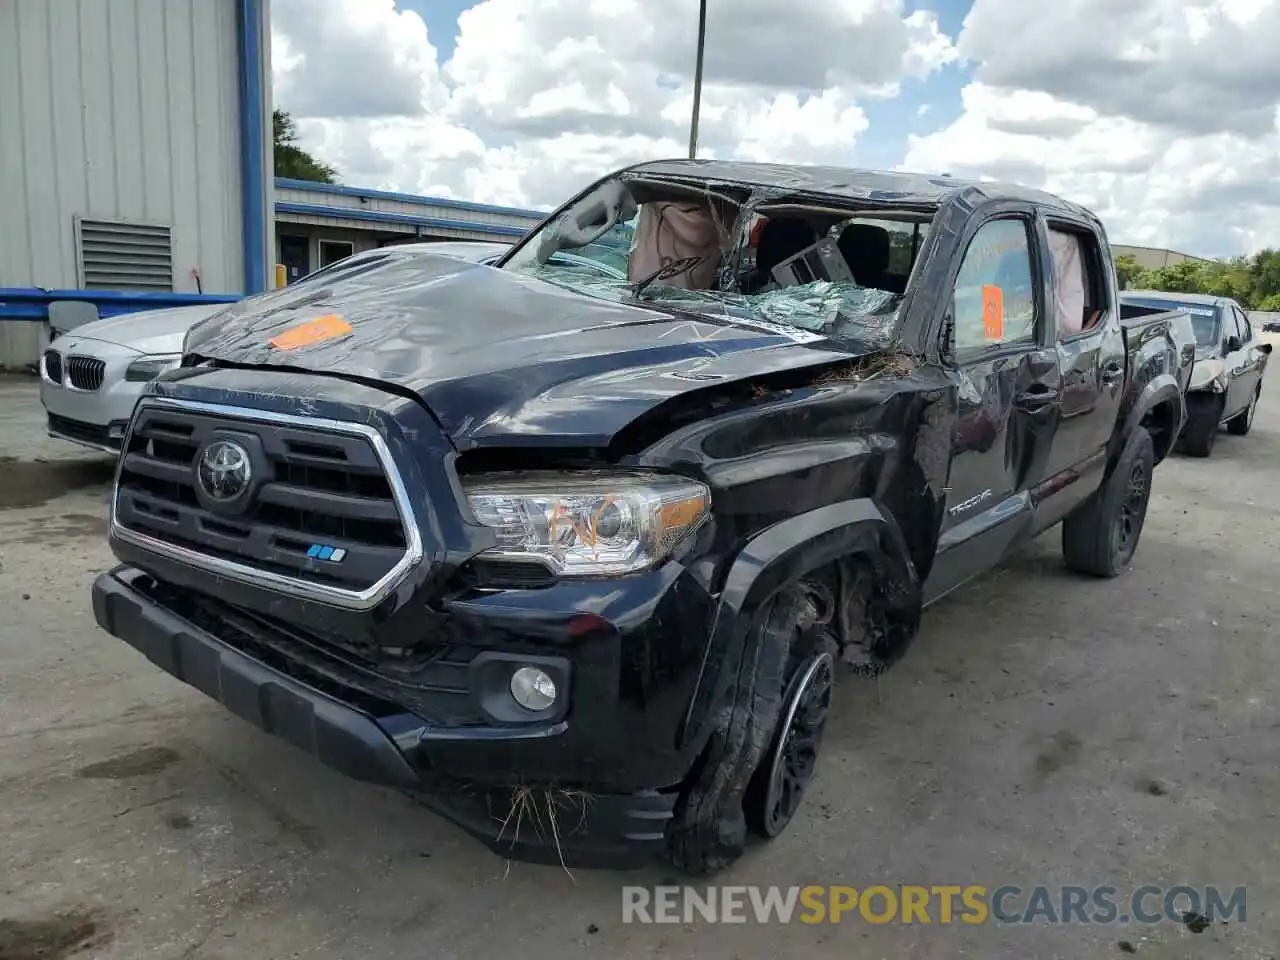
(1160, 345)
(1142, 325)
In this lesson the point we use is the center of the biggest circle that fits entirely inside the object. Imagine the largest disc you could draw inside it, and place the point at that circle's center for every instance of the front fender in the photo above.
(783, 554)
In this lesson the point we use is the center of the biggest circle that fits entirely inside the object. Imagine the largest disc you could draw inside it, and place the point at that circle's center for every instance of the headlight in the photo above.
(1206, 372)
(588, 524)
(148, 368)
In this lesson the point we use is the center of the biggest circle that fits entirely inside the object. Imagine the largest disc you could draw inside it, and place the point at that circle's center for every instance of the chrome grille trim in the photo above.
(252, 576)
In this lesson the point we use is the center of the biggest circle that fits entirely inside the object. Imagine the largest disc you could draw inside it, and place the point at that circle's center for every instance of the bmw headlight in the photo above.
(1207, 373)
(589, 524)
(148, 368)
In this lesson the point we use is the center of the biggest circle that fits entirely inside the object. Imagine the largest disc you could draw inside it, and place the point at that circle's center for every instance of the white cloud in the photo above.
(540, 97)
(1159, 114)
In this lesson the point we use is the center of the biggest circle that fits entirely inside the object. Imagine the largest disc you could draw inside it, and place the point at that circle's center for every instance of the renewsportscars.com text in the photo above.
(936, 904)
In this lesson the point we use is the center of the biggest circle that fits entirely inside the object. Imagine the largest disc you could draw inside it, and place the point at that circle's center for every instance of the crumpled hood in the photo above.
(497, 355)
(148, 331)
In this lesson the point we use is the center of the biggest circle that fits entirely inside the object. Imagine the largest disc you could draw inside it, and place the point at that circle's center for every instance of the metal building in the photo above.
(135, 140)
(1153, 258)
(135, 167)
(318, 223)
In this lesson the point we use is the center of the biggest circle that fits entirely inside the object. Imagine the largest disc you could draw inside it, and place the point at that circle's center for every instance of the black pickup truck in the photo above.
(573, 547)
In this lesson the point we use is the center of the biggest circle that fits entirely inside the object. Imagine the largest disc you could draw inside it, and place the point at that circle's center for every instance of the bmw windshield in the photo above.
(1206, 320)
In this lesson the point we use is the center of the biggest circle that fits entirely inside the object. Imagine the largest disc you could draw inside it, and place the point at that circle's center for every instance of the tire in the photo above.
(1202, 428)
(1101, 537)
(781, 781)
(1242, 422)
(728, 792)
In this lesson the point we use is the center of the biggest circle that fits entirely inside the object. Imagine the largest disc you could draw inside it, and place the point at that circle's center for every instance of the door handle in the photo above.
(1035, 399)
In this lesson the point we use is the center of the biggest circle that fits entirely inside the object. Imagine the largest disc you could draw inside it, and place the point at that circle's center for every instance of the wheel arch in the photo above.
(786, 553)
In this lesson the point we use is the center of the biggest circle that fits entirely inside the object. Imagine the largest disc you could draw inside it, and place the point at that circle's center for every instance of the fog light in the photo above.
(533, 689)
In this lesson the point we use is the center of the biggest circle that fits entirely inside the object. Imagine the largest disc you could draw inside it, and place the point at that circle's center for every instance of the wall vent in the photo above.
(122, 255)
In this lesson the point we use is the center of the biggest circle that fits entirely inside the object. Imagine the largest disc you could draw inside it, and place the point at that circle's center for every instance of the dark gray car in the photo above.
(1230, 362)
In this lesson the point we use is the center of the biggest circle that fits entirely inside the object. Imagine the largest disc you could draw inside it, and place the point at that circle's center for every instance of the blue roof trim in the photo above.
(253, 147)
(32, 303)
(284, 183)
(374, 216)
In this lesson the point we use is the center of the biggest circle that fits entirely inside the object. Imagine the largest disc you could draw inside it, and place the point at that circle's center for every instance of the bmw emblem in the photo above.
(224, 470)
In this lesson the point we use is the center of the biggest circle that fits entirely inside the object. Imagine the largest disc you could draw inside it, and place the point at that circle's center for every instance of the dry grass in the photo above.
(545, 810)
(870, 368)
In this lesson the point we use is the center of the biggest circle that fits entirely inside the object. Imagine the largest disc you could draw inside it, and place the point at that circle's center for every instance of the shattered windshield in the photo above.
(720, 254)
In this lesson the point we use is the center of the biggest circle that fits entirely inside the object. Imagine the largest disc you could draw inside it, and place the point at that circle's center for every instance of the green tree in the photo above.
(1127, 271)
(291, 160)
(1252, 281)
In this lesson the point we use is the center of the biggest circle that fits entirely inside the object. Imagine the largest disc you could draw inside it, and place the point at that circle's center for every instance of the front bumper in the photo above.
(92, 418)
(368, 742)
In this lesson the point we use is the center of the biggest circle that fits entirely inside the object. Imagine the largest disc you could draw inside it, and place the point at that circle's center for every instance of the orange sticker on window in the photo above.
(313, 331)
(992, 312)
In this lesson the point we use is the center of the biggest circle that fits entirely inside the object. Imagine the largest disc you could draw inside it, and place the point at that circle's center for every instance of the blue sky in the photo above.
(885, 142)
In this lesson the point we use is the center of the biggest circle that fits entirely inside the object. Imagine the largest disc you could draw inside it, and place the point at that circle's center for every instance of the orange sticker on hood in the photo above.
(313, 331)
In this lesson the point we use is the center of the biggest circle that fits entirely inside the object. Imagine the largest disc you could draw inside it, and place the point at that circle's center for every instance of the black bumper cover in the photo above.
(591, 830)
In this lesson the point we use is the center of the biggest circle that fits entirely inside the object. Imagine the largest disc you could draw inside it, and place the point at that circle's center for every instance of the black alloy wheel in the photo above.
(796, 742)
(1132, 512)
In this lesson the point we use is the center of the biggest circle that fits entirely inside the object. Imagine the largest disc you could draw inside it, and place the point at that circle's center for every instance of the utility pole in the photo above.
(697, 79)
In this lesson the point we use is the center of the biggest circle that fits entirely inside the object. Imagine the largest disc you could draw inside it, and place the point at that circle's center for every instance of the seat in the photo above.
(777, 241)
(865, 248)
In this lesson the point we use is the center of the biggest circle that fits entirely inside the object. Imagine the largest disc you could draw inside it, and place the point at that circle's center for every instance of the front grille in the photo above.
(316, 494)
(53, 366)
(85, 373)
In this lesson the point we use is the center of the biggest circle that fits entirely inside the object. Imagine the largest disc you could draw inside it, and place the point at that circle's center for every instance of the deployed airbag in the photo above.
(668, 231)
(1068, 271)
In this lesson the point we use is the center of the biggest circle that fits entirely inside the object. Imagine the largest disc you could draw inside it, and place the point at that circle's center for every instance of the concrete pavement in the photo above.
(1044, 729)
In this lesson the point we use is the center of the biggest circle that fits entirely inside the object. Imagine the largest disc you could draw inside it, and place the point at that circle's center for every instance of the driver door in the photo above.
(1009, 398)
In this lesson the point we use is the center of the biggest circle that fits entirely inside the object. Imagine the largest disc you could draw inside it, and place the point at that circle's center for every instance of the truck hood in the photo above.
(499, 357)
(150, 331)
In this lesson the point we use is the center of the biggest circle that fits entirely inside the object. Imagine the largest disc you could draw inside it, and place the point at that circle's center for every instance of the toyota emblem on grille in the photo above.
(224, 470)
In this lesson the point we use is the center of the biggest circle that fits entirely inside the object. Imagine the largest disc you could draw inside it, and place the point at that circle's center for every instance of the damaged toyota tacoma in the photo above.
(574, 547)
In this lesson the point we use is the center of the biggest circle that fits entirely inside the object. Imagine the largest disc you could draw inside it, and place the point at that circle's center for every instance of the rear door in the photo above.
(1091, 357)
(1009, 390)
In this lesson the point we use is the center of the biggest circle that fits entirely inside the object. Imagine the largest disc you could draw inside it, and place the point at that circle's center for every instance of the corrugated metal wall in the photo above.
(119, 109)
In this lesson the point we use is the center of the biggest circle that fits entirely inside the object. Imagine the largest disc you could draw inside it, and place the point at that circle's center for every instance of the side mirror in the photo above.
(1233, 344)
(1265, 348)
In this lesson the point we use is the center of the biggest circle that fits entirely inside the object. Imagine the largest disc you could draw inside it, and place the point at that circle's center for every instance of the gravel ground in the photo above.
(1043, 730)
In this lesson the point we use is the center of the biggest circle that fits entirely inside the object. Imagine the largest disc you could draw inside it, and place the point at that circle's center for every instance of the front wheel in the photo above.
(763, 754)
(1101, 537)
(1242, 422)
(1202, 426)
(782, 779)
